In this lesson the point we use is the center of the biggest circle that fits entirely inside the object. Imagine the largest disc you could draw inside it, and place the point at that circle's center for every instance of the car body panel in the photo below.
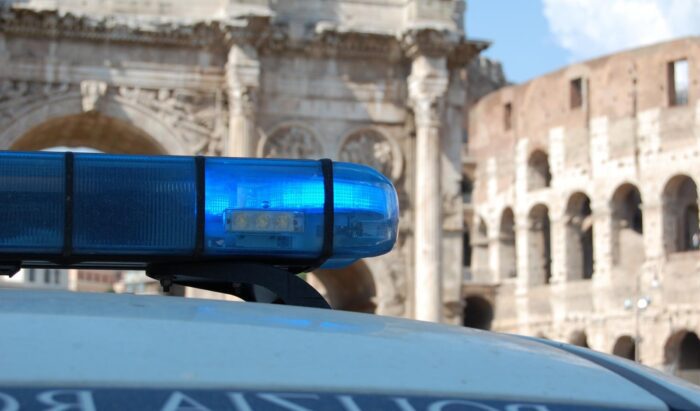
(107, 340)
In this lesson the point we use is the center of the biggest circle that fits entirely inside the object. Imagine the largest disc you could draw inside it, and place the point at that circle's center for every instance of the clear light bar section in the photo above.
(125, 205)
(275, 208)
(32, 194)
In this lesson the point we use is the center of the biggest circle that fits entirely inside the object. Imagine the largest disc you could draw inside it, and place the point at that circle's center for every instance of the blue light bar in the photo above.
(32, 193)
(96, 207)
(275, 208)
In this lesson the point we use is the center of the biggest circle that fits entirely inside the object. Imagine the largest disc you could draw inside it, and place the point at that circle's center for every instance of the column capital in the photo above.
(242, 78)
(426, 41)
(427, 90)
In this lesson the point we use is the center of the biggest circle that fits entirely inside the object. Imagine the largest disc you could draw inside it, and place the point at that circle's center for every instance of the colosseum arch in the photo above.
(682, 355)
(539, 245)
(625, 347)
(680, 214)
(538, 172)
(480, 251)
(349, 289)
(478, 313)
(116, 126)
(506, 244)
(579, 237)
(628, 226)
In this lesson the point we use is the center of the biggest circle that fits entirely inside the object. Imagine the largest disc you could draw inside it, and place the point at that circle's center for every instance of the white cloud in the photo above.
(589, 28)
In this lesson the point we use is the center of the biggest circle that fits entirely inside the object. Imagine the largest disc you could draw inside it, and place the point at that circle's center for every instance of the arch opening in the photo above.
(506, 241)
(538, 173)
(579, 338)
(478, 313)
(88, 130)
(625, 347)
(682, 355)
(680, 215)
(579, 237)
(539, 245)
(628, 227)
(347, 289)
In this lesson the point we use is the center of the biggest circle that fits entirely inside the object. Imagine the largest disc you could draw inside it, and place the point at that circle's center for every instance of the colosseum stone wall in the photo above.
(586, 205)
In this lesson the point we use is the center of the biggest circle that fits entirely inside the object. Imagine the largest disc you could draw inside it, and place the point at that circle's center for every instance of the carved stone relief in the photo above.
(200, 118)
(17, 95)
(92, 92)
(292, 142)
(373, 149)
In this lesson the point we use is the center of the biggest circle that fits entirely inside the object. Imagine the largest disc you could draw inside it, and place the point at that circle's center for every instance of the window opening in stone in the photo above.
(538, 171)
(579, 237)
(480, 252)
(576, 92)
(508, 116)
(625, 347)
(628, 224)
(478, 313)
(678, 82)
(539, 245)
(680, 215)
(506, 242)
(467, 189)
(467, 250)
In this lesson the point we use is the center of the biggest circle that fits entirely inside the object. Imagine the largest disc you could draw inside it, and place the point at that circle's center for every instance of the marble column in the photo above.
(427, 87)
(243, 80)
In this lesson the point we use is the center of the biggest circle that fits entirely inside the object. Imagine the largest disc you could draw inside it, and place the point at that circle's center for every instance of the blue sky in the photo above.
(520, 37)
(534, 37)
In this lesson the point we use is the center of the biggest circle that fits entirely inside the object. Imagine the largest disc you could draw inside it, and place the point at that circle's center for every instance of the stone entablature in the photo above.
(598, 163)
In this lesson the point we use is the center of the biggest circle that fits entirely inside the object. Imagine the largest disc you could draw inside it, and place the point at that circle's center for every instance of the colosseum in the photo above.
(585, 214)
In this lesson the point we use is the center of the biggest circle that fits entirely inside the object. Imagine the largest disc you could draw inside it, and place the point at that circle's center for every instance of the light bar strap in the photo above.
(328, 211)
(68, 219)
(200, 186)
(328, 216)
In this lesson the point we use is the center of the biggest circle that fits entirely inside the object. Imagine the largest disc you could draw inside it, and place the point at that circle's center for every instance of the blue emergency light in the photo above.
(84, 209)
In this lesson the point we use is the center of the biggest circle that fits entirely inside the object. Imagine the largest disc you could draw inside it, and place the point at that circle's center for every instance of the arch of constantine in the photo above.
(379, 82)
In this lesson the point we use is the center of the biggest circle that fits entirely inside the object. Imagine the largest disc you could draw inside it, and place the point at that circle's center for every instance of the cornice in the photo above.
(52, 24)
(258, 31)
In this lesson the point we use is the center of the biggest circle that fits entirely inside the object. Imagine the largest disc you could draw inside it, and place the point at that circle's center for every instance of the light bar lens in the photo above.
(32, 202)
(134, 205)
(144, 206)
(275, 208)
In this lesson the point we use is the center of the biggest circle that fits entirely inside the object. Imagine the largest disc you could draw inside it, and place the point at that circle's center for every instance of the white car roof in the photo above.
(107, 340)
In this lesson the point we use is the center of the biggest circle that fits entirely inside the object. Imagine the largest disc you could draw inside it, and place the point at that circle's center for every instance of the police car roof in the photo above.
(79, 339)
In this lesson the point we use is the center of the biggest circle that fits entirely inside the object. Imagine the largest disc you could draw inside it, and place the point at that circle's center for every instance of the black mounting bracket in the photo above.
(248, 281)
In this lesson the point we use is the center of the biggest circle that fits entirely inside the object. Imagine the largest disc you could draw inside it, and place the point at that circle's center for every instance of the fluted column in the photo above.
(427, 87)
(243, 80)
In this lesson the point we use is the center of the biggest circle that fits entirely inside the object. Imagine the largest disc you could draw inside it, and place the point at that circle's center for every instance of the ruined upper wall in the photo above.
(375, 16)
(617, 87)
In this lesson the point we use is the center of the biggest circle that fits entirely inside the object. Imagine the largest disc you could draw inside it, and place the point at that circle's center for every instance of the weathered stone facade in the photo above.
(379, 82)
(586, 205)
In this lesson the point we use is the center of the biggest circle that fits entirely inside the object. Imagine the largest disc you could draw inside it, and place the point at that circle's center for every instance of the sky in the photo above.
(534, 37)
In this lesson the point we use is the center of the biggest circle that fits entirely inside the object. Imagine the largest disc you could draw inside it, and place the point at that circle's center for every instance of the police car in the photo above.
(246, 227)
